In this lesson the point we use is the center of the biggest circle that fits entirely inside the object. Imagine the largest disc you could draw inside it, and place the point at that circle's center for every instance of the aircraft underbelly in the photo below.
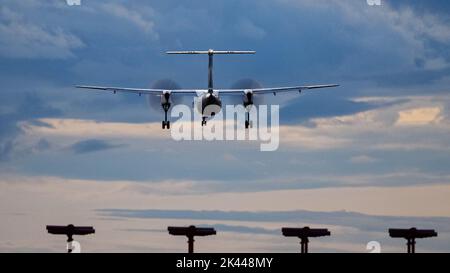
(209, 105)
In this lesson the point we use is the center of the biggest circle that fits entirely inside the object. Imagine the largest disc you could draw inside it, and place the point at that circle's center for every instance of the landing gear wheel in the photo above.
(204, 122)
(166, 124)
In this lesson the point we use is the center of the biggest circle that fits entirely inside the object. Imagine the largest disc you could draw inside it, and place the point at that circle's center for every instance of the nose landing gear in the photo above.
(248, 122)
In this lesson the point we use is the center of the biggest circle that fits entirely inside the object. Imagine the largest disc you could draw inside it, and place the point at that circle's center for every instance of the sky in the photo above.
(369, 155)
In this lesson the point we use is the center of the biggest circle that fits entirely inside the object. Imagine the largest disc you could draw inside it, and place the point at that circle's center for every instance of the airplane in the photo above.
(210, 102)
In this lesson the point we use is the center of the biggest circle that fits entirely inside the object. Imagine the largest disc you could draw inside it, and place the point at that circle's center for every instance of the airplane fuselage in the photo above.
(209, 104)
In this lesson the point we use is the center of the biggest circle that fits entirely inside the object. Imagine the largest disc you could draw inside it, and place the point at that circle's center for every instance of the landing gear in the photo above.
(203, 121)
(248, 122)
(165, 122)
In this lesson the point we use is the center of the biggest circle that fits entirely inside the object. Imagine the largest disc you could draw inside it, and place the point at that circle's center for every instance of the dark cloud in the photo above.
(330, 50)
(6, 150)
(219, 228)
(93, 145)
(364, 222)
(360, 228)
(408, 82)
(327, 104)
(244, 229)
(43, 144)
(11, 149)
(28, 107)
(433, 6)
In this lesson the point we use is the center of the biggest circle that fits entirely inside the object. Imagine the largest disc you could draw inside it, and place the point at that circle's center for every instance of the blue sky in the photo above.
(373, 146)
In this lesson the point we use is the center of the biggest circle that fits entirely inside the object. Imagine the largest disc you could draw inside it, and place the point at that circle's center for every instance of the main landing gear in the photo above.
(165, 122)
(203, 121)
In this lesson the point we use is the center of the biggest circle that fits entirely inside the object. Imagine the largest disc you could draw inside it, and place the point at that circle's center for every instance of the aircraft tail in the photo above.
(210, 53)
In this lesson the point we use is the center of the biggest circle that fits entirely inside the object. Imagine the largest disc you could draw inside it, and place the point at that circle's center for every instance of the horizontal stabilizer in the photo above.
(212, 52)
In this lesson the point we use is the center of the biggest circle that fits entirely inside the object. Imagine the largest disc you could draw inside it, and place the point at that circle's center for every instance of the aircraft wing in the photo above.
(141, 90)
(274, 90)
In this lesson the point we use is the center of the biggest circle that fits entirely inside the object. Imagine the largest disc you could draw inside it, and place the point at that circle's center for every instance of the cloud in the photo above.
(43, 145)
(90, 128)
(304, 108)
(93, 145)
(12, 149)
(348, 229)
(419, 116)
(426, 25)
(229, 157)
(416, 36)
(415, 28)
(404, 19)
(378, 129)
(364, 149)
(337, 218)
(248, 29)
(90, 202)
(197, 195)
(22, 39)
(363, 159)
(139, 17)
(224, 228)
(6, 150)
(244, 229)
(339, 150)
(29, 107)
(377, 126)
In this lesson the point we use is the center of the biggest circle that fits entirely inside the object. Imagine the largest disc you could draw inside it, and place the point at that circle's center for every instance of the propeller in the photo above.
(259, 99)
(248, 84)
(154, 102)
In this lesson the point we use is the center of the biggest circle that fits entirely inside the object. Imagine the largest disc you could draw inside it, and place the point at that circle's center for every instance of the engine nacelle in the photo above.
(248, 99)
(165, 97)
(165, 100)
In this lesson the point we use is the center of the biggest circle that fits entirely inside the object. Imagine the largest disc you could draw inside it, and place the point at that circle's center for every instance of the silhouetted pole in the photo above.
(304, 234)
(69, 231)
(411, 235)
(69, 241)
(191, 244)
(411, 243)
(304, 244)
(190, 232)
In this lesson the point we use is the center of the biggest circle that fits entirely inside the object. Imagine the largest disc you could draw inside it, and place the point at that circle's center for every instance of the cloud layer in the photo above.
(373, 146)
